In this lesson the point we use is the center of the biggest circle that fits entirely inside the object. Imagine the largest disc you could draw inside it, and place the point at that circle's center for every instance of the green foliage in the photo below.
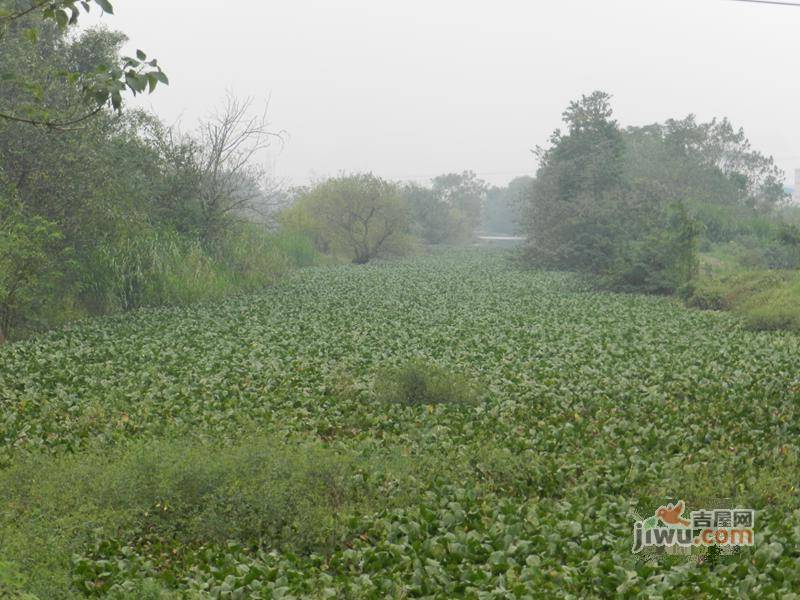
(722, 223)
(417, 382)
(12, 583)
(465, 194)
(663, 262)
(578, 206)
(448, 212)
(779, 310)
(155, 269)
(235, 415)
(97, 84)
(776, 307)
(591, 210)
(721, 165)
(790, 213)
(433, 220)
(732, 289)
(177, 498)
(298, 249)
(634, 206)
(144, 223)
(29, 266)
(361, 217)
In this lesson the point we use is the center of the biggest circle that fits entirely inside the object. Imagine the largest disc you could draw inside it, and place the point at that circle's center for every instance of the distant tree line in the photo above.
(634, 206)
(360, 217)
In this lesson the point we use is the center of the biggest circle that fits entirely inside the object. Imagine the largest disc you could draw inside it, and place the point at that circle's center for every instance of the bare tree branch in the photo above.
(232, 180)
(60, 125)
(20, 14)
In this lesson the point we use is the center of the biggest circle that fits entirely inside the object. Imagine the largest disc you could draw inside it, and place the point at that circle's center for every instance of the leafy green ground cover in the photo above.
(243, 449)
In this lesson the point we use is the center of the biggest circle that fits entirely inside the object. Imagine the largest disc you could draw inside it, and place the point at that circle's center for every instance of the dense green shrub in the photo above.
(146, 269)
(663, 262)
(297, 248)
(358, 217)
(122, 211)
(752, 253)
(418, 382)
(32, 269)
(707, 294)
(725, 222)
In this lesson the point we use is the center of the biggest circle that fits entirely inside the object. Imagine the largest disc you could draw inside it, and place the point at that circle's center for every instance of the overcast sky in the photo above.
(414, 88)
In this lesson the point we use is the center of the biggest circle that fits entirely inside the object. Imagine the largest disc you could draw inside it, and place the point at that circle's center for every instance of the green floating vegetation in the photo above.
(242, 449)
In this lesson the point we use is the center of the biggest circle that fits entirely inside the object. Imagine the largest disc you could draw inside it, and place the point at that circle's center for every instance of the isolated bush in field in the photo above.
(707, 295)
(420, 383)
(360, 217)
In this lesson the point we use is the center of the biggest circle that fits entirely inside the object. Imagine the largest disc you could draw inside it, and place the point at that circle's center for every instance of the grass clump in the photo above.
(164, 269)
(419, 383)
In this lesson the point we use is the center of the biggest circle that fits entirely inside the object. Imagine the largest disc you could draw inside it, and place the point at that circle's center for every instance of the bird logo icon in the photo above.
(671, 514)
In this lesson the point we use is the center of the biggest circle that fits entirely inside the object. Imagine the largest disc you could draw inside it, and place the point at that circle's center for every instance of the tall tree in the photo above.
(573, 217)
(434, 220)
(231, 181)
(753, 180)
(465, 192)
(610, 203)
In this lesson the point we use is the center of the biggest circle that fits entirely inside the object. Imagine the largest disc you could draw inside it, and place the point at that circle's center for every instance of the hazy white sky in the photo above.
(410, 89)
